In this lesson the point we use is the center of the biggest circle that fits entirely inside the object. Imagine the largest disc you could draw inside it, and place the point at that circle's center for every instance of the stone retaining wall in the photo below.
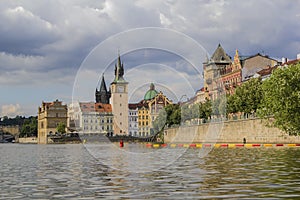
(254, 130)
(28, 140)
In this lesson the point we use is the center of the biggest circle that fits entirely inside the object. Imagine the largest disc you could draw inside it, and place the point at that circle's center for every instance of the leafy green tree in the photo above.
(170, 115)
(173, 114)
(160, 122)
(29, 127)
(232, 104)
(281, 99)
(247, 97)
(186, 112)
(205, 109)
(61, 128)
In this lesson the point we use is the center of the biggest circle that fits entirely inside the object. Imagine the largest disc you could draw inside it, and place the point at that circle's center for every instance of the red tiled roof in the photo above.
(290, 62)
(95, 107)
(266, 71)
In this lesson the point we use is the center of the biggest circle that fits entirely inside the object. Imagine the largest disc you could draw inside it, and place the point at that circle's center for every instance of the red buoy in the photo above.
(121, 143)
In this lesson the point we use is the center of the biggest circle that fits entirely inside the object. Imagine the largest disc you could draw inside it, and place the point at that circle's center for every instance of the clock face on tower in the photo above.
(120, 88)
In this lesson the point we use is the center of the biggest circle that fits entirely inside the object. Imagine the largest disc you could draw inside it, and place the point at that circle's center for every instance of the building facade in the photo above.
(147, 110)
(255, 63)
(222, 75)
(212, 68)
(50, 114)
(231, 75)
(133, 127)
(91, 118)
(119, 100)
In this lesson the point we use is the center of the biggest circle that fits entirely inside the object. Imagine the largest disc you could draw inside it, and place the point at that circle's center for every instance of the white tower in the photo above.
(119, 100)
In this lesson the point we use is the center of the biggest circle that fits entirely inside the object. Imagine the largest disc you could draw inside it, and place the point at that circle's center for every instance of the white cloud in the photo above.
(11, 110)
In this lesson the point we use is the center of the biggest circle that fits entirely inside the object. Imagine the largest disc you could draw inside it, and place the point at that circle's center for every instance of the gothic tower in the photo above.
(102, 95)
(211, 70)
(119, 100)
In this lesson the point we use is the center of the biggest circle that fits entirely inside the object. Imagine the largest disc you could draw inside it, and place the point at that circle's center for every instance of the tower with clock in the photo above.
(119, 100)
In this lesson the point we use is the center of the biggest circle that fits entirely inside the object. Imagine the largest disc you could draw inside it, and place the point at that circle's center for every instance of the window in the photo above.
(56, 114)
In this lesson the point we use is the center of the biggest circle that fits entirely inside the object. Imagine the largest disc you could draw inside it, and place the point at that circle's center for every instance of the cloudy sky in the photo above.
(53, 49)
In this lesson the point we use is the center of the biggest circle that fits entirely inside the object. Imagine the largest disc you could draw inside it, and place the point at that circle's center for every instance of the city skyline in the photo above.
(43, 44)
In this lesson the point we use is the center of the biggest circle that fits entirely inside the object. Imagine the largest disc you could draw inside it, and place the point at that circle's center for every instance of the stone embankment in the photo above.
(253, 130)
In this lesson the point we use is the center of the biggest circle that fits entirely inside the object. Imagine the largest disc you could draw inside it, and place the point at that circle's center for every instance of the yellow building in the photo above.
(50, 114)
(144, 121)
(149, 108)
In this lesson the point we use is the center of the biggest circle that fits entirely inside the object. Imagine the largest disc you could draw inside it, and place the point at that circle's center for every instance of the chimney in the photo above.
(283, 60)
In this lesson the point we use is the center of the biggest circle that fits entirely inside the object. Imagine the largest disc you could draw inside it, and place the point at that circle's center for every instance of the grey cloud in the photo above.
(46, 41)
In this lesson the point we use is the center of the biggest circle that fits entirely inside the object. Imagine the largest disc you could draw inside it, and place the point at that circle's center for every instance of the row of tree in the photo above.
(276, 99)
(28, 125)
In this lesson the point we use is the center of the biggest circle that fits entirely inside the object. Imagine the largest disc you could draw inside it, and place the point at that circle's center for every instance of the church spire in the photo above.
(102, 95)
(119, 70)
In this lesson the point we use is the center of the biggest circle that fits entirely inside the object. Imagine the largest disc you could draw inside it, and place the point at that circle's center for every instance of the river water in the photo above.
(85, 172)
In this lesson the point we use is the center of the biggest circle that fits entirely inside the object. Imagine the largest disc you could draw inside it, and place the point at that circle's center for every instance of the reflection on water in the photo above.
(70, 172)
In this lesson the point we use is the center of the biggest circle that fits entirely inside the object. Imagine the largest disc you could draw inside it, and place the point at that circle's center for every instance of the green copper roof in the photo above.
(151, 93)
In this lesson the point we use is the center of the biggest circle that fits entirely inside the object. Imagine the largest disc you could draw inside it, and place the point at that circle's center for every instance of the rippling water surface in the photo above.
(73, 172)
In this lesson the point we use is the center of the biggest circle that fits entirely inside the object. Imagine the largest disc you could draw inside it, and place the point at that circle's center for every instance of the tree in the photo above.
(29, 127)
(205, 109)
(160, 122)
(232, 104)
(281, 99)
(61, 128)
(247, 97)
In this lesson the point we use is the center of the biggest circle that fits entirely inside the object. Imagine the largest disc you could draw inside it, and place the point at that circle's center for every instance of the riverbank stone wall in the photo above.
(253, 130)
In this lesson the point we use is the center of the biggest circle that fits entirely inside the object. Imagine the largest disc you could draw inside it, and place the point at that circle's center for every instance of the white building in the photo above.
(133, 128)
(90, 118)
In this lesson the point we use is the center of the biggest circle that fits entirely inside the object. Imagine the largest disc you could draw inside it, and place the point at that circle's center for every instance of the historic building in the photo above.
(222, 75)
(119, 100)
(255, 63)
(91, 118)
(50, 114)
(212, 68)
(147, 110)
(231, 75)
(133, 127)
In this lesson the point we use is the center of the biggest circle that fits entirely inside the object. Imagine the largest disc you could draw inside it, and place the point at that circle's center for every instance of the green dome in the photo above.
(151, 93)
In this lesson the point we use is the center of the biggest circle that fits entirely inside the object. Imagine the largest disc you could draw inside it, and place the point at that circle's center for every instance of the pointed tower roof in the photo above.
(119, 71)
(103, 85)
(220, 55)
(102, 95)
